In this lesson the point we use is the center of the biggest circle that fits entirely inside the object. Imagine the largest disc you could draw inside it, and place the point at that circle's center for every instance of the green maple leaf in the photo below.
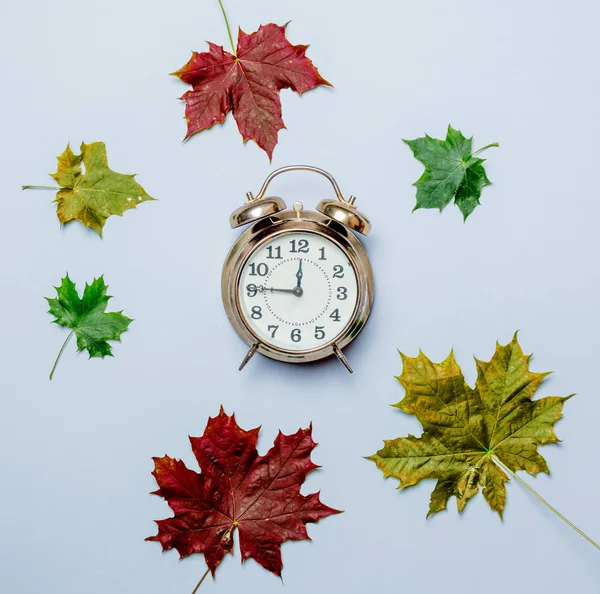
(451, 171)
(86, 317)
(470, 434)
(89, 190)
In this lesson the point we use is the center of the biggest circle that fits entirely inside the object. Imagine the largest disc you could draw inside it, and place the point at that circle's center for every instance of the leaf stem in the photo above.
(228, 29)
(487, 146)
(40, 188)
(201, 580)
(60, 352)
(540, 498)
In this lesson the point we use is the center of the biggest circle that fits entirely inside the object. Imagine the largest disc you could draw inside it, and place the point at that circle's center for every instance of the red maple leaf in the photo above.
(237, 488)
(247, 84)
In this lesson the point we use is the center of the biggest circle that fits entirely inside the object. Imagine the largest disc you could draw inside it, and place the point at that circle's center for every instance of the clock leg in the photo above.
(342, 359)
(249, 355)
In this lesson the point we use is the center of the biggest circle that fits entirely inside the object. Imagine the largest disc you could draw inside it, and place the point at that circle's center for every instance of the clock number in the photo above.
(272, 329)
(342, 293)
(256, 313)
(276, 250)
(295, 335)
(302, 246)
(259, 269)
(252, 290)
(322, 250)
(319, 332)
(335, 315)
(338, 271)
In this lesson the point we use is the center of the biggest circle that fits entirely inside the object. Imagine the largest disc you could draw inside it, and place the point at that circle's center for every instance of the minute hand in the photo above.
(299, 275)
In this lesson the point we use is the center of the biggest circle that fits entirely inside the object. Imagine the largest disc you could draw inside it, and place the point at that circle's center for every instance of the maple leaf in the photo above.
(89, 190)
(468, 434)
(451, 171)
(86, 317)
(247, 83)
(237, 488)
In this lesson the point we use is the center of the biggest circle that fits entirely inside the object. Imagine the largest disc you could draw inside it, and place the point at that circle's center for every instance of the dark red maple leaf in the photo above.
(247, 84)
(237, 488)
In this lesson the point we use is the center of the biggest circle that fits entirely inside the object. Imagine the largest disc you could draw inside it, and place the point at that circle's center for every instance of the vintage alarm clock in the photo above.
(297, 285)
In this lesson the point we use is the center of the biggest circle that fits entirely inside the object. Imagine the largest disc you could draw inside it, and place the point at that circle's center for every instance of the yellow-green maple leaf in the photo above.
(465, 430)
(90, 191)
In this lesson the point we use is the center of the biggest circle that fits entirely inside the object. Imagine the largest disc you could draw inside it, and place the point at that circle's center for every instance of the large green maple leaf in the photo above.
(469, 433)
(452, 171)
(89, 190)
(87, 318)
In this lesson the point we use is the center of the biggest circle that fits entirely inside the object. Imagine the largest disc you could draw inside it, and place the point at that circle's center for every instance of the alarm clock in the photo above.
(297, 286)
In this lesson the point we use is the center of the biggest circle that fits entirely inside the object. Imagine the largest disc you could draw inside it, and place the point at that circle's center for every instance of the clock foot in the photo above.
(249, 355)
(342, 359)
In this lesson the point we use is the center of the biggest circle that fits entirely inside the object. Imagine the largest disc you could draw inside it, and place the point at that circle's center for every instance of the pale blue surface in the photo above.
(75, 453)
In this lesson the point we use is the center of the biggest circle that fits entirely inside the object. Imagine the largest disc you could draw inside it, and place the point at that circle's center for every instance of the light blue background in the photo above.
(75, 453)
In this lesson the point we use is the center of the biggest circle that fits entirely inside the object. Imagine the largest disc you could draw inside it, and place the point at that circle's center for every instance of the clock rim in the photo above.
(280, 224)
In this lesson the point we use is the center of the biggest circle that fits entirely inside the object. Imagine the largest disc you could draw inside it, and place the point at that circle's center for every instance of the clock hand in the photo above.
(295, 291)
(280, 290)
(299, 275)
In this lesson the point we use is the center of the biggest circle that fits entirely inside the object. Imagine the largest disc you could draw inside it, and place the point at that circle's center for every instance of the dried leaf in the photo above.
(464, 429)
(237, 488)
(90, 191)
(247, 84)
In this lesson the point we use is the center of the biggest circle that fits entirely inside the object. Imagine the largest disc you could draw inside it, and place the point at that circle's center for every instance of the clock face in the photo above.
(297, 291)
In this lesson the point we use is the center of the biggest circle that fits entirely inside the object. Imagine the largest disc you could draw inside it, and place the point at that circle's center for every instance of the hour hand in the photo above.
(273, 290)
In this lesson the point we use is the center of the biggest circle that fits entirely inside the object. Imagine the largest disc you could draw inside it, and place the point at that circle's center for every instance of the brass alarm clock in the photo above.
(297, 285)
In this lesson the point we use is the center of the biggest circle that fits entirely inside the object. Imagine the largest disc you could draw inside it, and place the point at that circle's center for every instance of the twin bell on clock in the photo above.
(297, 285)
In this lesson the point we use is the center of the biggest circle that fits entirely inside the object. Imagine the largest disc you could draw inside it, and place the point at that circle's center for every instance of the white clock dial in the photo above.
(297, 291)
